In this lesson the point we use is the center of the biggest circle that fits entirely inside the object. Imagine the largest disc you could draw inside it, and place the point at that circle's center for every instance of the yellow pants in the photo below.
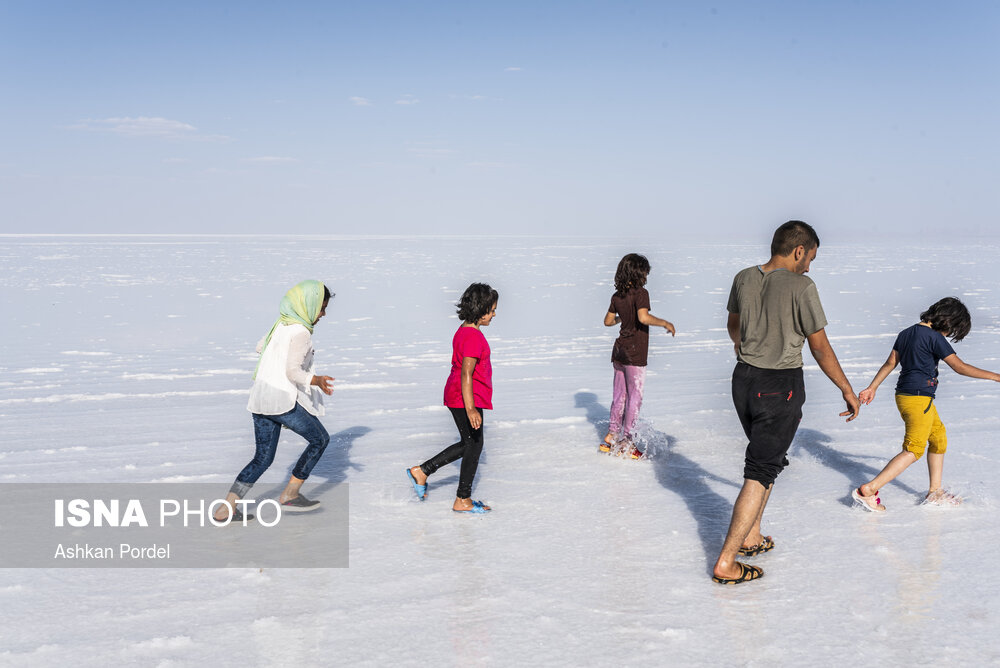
(923, 426)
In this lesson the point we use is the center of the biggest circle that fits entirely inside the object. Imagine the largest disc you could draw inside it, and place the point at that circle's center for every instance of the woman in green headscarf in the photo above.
(286, 393)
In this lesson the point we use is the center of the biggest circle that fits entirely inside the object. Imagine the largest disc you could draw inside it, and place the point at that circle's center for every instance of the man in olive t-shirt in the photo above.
(773, 310)
(771, 333)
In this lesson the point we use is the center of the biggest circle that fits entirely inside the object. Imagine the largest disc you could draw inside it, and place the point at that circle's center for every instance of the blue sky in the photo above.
(645, 118)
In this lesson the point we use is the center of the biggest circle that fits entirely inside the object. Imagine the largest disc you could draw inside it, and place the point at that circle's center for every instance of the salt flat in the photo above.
(127, 359)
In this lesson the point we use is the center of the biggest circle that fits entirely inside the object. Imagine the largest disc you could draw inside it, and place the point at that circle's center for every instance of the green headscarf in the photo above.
(300, 305)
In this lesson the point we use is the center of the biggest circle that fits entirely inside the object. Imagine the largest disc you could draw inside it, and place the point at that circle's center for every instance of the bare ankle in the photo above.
(223, 512)
(723, 569)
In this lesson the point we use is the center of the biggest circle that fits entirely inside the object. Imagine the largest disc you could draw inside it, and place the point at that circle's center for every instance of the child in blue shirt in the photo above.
(918, 349)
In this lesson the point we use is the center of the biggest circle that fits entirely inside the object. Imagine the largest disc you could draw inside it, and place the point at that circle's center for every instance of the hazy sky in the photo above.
(638, 118)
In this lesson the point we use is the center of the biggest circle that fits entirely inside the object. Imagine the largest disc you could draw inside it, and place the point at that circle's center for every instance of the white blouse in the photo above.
(284, 374)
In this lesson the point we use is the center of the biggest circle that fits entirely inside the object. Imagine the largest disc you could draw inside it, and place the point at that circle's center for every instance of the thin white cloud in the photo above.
(360, 101)
(271, 160)
(407, 99)
(146, 126)
(512, 69)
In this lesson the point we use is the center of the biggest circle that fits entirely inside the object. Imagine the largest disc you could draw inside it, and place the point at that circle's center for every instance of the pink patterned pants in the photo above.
(627, 398)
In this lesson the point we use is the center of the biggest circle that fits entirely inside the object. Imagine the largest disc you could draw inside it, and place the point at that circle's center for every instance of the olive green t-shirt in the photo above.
(777, 310)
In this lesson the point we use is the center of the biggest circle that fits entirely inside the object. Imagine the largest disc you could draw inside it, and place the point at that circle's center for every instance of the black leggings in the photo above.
(469, 449)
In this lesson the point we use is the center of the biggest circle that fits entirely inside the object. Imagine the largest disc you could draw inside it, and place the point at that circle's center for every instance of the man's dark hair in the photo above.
(791, 235)
(476, 301)
(631, 273)
(950, 317)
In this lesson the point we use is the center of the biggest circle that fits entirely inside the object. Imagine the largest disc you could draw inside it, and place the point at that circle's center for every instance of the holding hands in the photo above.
(853, 405)
(867, 395)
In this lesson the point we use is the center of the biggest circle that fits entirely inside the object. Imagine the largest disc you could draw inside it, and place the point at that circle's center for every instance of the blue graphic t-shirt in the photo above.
(919, 349)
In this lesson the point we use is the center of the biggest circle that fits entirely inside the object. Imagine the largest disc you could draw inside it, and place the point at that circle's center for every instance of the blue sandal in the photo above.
(421, 490)
(478, 508)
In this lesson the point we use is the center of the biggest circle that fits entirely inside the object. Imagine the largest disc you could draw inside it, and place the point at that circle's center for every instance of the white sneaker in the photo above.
(870, 503)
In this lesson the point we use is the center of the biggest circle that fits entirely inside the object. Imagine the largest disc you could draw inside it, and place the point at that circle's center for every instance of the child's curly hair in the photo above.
(477, 300)
(950, 317)
(631, 273)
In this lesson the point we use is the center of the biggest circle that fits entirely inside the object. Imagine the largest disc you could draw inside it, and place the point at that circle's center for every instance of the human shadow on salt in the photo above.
(856, 471)
(597, 415)
(332, 466)
(680, 475)
(688, 480)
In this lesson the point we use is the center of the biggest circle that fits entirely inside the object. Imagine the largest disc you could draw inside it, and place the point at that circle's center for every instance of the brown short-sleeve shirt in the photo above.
(632, 345)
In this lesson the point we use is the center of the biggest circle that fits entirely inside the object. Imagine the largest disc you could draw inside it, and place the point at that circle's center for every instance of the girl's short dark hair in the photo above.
(631, 273)
(477, 300)
(950, 317)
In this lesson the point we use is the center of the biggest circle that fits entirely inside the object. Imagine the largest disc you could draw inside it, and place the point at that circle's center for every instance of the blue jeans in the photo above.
(267, 430)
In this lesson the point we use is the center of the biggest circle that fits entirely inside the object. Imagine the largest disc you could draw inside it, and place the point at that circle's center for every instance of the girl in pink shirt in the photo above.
(468, 391)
